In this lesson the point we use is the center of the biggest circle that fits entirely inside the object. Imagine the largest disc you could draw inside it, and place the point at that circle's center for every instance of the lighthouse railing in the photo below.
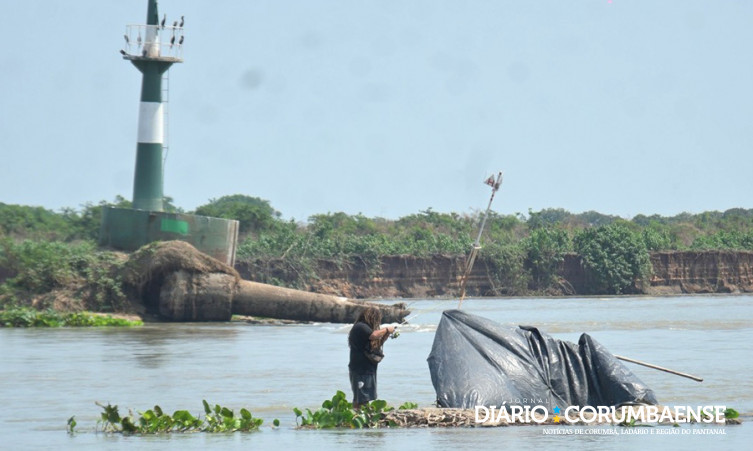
(153, 41)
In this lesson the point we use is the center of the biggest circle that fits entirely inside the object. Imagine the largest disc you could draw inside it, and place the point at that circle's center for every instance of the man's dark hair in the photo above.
(372, 316)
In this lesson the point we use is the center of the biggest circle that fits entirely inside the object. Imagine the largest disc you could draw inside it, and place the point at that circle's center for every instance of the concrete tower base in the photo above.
(127, 229)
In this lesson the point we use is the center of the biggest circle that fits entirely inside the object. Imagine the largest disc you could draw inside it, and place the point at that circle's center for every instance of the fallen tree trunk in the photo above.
(180, 283)
(197, 297)
(258, 299)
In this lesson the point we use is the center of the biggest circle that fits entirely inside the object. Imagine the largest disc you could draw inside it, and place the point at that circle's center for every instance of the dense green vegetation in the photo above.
(28, 317)
(43, 251)
(523, 252)
(46, 273)
(36, 223)
(252, 213)
(616, 255)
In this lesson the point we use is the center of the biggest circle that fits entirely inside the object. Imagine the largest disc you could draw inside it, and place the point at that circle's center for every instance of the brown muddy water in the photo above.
(48, 375)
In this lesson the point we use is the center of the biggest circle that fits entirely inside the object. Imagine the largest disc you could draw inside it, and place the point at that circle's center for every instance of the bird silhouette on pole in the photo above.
(180, 41)
(164, 19)
(172, 41)
(175, 24)
(181, 22)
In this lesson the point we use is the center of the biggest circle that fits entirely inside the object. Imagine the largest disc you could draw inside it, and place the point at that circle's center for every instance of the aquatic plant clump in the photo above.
(29, 317)
(155, 421)
(338, 412)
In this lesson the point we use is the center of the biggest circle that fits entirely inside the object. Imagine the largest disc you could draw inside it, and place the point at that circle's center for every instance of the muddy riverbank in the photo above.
(674, 273)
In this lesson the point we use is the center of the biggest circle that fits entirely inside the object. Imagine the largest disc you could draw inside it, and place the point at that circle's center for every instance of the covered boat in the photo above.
(477, 362)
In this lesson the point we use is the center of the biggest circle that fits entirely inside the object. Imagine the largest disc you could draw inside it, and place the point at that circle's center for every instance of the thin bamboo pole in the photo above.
(657, 367)
(477, 244)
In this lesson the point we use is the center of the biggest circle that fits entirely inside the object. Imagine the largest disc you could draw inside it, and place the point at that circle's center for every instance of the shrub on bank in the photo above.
(91, 277)
(615, 257)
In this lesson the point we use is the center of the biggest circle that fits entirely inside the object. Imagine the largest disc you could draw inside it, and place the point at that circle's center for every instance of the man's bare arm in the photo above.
(382, 333)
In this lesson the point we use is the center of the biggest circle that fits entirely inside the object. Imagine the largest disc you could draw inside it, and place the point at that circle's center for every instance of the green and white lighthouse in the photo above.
(157, 47)
(154, 47)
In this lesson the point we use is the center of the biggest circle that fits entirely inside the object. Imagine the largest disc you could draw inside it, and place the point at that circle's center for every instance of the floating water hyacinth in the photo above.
(155, 421)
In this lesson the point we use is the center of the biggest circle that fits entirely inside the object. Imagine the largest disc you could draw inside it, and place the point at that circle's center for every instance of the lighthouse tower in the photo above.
(157, 46)
(154, 47)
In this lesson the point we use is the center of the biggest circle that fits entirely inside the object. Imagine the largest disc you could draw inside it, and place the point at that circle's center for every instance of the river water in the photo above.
(48, 375)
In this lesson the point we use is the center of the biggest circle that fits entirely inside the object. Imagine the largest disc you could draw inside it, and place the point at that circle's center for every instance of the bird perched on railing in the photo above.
(123, 52)
(181, 22)
(162, 24)
(180, 41)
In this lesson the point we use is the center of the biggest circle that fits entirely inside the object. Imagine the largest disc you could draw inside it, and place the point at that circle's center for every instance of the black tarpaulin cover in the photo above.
(477, 362)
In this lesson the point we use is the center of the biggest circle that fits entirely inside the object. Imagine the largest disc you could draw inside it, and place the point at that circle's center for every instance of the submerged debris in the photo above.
(623, 416)
(430, 417)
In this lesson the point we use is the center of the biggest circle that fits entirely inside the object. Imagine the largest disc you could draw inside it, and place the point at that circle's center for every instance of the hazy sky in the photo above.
(390, 107)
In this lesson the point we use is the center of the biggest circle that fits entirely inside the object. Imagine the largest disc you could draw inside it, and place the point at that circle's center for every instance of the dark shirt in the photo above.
(358, 340)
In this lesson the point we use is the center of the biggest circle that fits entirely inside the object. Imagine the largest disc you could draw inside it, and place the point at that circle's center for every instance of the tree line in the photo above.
(525, 250)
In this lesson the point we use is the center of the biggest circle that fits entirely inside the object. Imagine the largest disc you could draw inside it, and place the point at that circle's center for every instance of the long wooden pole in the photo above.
(657, 367)
(477, 244)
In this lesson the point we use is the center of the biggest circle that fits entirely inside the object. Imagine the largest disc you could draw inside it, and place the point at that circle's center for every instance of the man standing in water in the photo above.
(365, 340)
